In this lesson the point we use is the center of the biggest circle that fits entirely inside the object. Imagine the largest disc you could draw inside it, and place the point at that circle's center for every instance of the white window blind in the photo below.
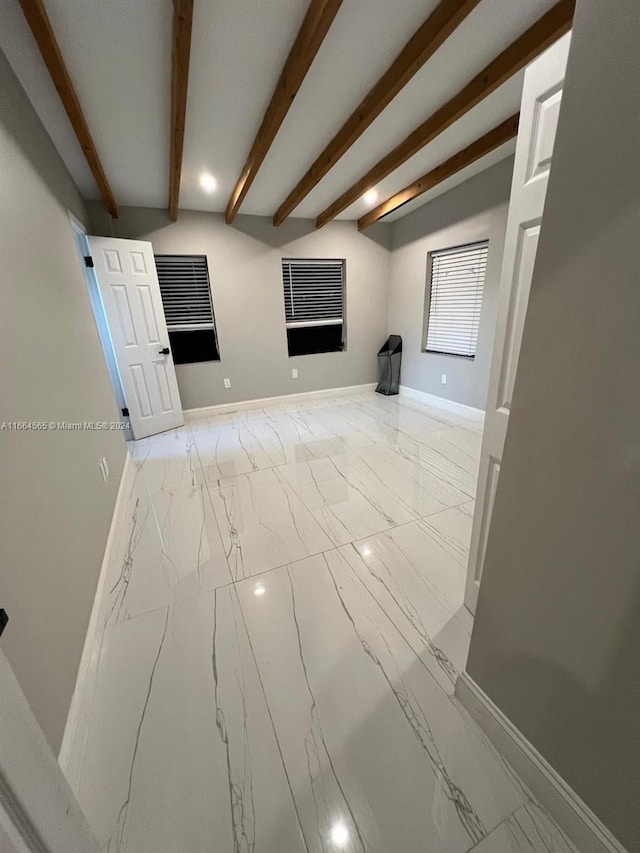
(313, 291)
(185, 291)
(455, 299)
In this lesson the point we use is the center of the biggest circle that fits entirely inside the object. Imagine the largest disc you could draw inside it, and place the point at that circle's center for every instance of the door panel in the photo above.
(146, 305)
(539, 111)
(138, 265)
(545, 124)
(128, 283)
(518, 299)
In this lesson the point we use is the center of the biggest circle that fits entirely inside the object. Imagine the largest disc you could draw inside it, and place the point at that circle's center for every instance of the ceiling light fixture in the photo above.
(208, 182)
(371, 197)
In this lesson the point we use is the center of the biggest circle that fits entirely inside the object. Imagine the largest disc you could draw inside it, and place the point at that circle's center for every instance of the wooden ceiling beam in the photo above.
(548, 29)
(314, 28)
(437, 28)
(38, 20)
(180, 57)
(484, 145)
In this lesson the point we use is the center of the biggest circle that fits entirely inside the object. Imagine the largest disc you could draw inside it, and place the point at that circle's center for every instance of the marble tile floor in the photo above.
(283, 629)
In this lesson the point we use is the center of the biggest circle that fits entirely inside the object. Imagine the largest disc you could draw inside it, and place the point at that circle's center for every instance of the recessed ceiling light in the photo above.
(259, 589)
(208, 182)
(371, 196)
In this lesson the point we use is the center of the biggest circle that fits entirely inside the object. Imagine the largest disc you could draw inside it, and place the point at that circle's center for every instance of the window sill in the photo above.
(322, 352)
(449, 354)
(198, 361)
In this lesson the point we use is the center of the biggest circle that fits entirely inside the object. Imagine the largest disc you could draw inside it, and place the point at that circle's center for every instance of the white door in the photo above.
(541, 96)
(128, 283)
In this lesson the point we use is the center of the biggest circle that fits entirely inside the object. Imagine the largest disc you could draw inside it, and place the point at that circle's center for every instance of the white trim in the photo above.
(76, 224)
(442, 402)
(77, 727)
(206, 411)
(571, 814)
(304, 324)
(38, 809)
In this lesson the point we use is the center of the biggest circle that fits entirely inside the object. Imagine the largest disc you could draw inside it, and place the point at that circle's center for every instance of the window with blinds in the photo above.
(455, 299)
(314, 304)
(188, 309)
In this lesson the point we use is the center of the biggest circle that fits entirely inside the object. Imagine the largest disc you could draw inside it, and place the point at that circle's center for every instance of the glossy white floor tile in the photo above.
(282, 630)
(263, 523)
(419, 586)
(347, 502)
(421, 490)
(168, 461)
(181, 754)
(368, 738)
(171, 550)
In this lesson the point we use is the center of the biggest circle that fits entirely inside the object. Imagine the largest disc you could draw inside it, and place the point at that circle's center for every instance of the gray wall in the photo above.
(56, 511)
(475, 210)
(556, 642)
(246, 283)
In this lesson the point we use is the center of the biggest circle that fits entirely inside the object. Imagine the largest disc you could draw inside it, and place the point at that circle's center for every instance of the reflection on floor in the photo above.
(282, 637)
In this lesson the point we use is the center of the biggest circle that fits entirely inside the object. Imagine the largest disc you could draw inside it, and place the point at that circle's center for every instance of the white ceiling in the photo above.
(118, 53)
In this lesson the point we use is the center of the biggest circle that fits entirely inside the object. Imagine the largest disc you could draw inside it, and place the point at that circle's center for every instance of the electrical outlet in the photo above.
(294, 372)
(443, 379)
(227, 383)
(104, 469)
(105, 466)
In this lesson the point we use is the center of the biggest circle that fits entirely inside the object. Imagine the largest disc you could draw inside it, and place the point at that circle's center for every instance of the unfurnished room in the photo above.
(319, 426)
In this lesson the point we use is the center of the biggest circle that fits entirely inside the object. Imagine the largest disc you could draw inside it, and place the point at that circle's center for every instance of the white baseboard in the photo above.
(571, 814)
(442, 402)
(77, 727)
(221, 408)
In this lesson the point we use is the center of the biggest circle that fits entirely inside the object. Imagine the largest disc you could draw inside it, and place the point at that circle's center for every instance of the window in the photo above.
(455, 299)
(186, 299)
(313, 305)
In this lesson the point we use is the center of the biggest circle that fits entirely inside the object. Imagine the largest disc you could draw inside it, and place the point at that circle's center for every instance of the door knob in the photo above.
(164, 351)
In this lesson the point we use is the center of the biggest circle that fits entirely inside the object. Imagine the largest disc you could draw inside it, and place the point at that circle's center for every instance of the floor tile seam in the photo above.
(109, 627)
(426, 518)
(289, 564)
(529, 800)
(206, 496)
(312, 512)
(500, 823)
(524, 792)
(266, 467)
(444, 509)
(233, 581)
(164, 554)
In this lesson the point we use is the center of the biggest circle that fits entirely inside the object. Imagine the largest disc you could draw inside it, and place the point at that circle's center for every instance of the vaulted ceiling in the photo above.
(118, 53)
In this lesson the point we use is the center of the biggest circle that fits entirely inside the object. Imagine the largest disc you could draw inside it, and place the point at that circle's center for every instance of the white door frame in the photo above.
(80, 234)
(38, 810)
